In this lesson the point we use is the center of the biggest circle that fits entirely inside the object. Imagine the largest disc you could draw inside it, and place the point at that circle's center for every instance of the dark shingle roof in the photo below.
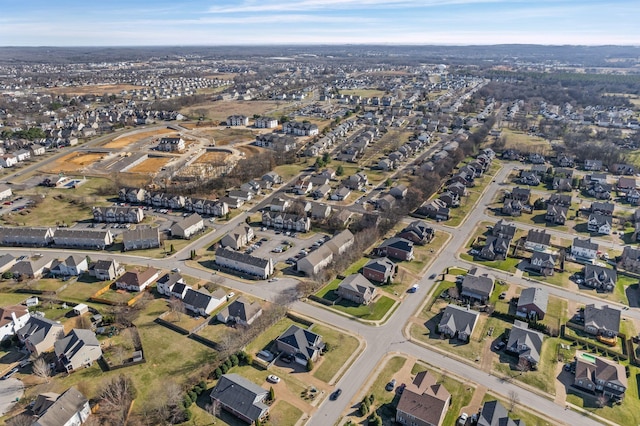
(244, 396)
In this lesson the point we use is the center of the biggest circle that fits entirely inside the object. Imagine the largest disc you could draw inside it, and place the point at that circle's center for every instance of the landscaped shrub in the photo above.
(234, 360)
(217, 373)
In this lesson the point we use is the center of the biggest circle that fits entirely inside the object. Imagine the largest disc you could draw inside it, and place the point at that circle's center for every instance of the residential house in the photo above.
(450, 199)
(605, 209)
(633, 197)
(564, 160)
(167, 282)
(593, 165)
(12, 319)
(477, 288)
(562, 184)
(232, 203)
(74, 265)
(171, 145)
(83, 238)
(525, 344)
(399, 191)
(340, 194)
(529, 178)
(434, 209)
(320, 211)
(600, 278)
(458, 322)
(241, 194)
(118, 214)
(315, 261)
(386, 202)
(240, 311)
(356, 182)
(286, 221)
(495, 248)
(5, 192)
(543, 263)
(32, 268)
(279, 204)
(584, 250)
(107, 270)
(201, 302)
(188, 226)
(625, 184)
(379, 270)
(239, 237)
(532, 303)
(630, 259)
(536, 158)
(321, 191)
(6, 262)
(71, 408)
(504, 229)
(265, 123)
(418, 232)
(244, 263)
(600, 224)
(241, 397)
(300, 343)
(424, 402)
(357, 289)
(395, 248)
(604, 321)
(137, 280)
(300, 128)
(237, 120)
(556, 215)
(39, 334)
(37, 149)
(26, 236)
(8, 160)
(493, 413)
(179, 290)
(276, 142)
(537, 240)
(272, 177)
(563, 200)
(521, 194)
(623, 169)
(79, 348)
(513, 208)
(600, 375)
(141, 238)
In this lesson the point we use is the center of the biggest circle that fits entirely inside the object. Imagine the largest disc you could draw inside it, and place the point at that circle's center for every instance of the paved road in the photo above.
(11, 391)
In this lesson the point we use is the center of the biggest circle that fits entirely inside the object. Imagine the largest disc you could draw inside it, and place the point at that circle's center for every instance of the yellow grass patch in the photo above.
(219, 111)
(74, 161)
(212, 157)
(150, 165)
(124, 141)
(249, 150)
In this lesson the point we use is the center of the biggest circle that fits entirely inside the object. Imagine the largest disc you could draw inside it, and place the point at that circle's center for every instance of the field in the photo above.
(150, 165)
(219, 111)
(212, 157)
(226, 136)
(97, 89)
(249, 150)
(51, 211)
(127, 140)
(74, 161)
(518, 140)
(367, 93)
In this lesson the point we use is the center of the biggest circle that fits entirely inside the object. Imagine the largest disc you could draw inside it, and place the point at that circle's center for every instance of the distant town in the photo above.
(330, 235)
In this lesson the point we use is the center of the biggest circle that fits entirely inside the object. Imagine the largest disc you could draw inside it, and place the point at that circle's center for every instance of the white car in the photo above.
(230, 295)
(463, 419)
(273, 379)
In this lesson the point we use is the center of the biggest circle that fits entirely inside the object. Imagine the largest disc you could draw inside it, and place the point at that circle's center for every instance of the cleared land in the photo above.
(73, 161)
(212, 157)
(98, 89)
(518, 140)
(150, 165)
(127, 140)
(367, 93)
(220, 110)
(227, 136)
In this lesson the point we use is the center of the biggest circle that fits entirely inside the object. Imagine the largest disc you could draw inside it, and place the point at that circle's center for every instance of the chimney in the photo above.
(14, 317)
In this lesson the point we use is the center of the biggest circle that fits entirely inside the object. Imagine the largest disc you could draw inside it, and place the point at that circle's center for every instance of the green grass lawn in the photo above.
(283, 413)
(288, 171)
(508, 265)
(44, 284)
(356, 266)
(372, 312)
(341, 347)
(184, 321)
(266, 338)
(424, 255)
(118, 296)
(81, 291)
(556, 312)
(327, 291)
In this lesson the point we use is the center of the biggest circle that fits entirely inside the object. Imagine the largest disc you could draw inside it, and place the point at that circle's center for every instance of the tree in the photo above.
(7, 275)
(176, 307)
(83, 322)
(340, 170)
(116, 398)
(213, 408)
(41, 368)
(272, 394)
(514, 398)
(309, 364)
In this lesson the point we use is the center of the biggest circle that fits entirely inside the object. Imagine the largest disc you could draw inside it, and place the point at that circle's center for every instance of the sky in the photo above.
(264, 22)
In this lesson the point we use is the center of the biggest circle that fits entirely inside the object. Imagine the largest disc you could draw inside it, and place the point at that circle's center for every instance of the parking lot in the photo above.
(269, 242)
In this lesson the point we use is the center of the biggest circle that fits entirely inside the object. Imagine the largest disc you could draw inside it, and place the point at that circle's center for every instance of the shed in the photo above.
(80, 309)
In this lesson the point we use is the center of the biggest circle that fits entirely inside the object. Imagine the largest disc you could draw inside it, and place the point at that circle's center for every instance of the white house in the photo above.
(137, 280)
(584, 249)
(188, 226)
(12, 319)
(8, 160)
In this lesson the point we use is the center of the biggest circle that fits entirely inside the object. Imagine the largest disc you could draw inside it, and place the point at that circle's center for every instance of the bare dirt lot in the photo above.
(73, 162)
(98, 89)
(125, 141)
(150, 165)
(220, 110)
(249, 150)
(212, 157)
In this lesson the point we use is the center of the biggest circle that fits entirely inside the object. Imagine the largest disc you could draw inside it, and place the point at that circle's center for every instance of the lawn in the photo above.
(556, 313)
(288, 171)
(517, 140)
(13, 298)
(372, 312)
(423, 255)
(328, 291)
(44, 284)
(51, 211)
(508, 265)
(265, 339)
(341, 347)
(184, 321)
(117, 296)
(284, 413)
(356, 266)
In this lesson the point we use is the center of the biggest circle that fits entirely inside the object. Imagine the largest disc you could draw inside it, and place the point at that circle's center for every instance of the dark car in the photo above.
(391, 385)
(432, 276)
(335, 394)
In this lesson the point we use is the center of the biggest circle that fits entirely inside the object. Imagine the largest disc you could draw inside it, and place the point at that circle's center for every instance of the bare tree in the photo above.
(514, 399)
(176, 307)
(41, 368)
(213, 408)
(20, 420)
(83, 322)
(116, 398)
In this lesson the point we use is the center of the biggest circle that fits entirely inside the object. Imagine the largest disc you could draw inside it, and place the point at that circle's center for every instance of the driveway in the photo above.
(11, 390)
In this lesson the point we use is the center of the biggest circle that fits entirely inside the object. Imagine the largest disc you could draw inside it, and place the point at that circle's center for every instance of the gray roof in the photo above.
(604, 318)
(74, 341)
(494, 414)
(244, 396)
(585, 244)
(381, 264)
(63, 409)
(520, 336)
(141, 233)
(479, 285)
(36, 329)
(595, 274)
(242, 308)
(170, 278)
(242, 257)
(357, 283)
(538, 237)
(86, 234)
(459, 319)
(199, 299)
(303, 340)
(74, 260)
(534, 296)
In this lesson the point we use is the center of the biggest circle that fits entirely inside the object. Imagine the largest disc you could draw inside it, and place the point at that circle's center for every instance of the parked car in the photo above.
(335, 394)
(273, 378)
(391, 385)
(462, 420)
(499, 346)
(10, 373)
